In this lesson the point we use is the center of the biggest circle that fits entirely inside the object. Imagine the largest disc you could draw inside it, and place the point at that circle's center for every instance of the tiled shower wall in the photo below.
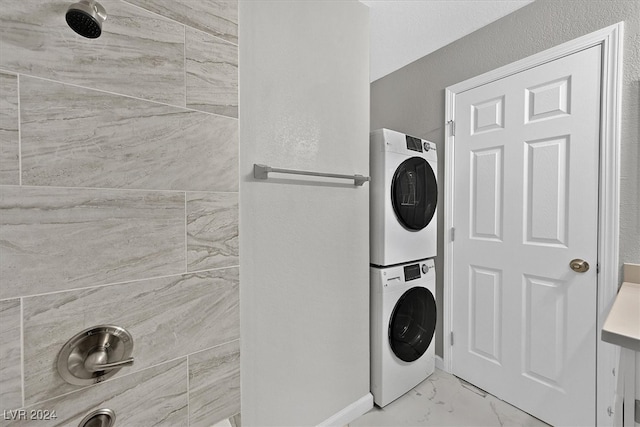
(119, 205)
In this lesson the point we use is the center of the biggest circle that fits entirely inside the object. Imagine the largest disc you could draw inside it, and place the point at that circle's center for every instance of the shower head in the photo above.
(86, 18)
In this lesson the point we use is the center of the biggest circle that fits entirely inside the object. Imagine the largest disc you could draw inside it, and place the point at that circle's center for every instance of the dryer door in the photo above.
(414, 193)
(412, 324)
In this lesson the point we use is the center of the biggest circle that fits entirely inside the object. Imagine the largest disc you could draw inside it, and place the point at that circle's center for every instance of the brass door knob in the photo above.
(579, 265)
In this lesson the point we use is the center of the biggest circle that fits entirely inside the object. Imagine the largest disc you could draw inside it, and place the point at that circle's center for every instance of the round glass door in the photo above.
(414, 193)
(413, 323)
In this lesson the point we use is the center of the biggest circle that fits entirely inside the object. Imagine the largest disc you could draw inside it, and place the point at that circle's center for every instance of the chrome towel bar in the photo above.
(262, 172)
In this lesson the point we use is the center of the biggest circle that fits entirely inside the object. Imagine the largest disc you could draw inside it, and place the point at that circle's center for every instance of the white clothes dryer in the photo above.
(403, 198)
(403, 322)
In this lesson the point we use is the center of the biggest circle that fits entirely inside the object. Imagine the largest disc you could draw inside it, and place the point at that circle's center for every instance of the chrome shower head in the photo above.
(86, 18)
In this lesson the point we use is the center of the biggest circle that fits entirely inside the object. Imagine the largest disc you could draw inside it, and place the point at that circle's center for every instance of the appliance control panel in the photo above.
(419, 145)
(386, 140)
(414, 144)
(401, 274)
(412, 272)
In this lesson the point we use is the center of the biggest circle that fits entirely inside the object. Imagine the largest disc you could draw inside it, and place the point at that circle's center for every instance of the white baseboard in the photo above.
(440, 363)
(350, 413)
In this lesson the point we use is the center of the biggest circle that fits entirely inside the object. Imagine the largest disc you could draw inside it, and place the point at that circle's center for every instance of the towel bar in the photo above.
(262, 172)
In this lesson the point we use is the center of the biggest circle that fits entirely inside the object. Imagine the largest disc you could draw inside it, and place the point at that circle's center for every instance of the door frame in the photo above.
(610, 38)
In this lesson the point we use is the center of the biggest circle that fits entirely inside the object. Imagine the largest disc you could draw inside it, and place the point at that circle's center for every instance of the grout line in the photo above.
(22, 348)
(19, 133)
(8, 71)
(186, 25)
(211, 192)
(184, 64)
(188, 395)
(186, 236)
(213, 269)
(130, 97)
(216, 346)
(119, 283)
(116, 378)
(218, 38)
(54, 187)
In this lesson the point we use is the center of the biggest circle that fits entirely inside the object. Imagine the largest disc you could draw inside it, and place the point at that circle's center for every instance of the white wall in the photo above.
(304, 100)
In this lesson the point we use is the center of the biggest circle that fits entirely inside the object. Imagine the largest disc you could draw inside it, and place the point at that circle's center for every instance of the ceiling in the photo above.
(405, 30)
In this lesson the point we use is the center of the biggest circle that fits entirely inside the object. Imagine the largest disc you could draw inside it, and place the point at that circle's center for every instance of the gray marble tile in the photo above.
(444, 400)
(153, 397)
(139, 53)
(85, 138)
(55, 239)
(217, 17)
(168, 318)
(9, 143)
(10, 355)
(214, 384)
(212, 230)
(212, 74)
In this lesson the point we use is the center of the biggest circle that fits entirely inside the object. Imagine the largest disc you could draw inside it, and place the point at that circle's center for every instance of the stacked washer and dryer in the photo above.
(404, 194)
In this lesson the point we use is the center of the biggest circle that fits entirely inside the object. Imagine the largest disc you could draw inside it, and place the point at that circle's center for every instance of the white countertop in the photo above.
(622, 326)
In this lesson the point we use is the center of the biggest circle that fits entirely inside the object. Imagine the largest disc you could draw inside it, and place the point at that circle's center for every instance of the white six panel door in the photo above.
(526, 204)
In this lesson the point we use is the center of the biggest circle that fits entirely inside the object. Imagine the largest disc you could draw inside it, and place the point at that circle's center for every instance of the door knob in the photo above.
(579, 265)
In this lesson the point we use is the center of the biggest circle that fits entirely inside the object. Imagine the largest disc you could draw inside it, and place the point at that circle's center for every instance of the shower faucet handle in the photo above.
(96, 361)
(95, 354)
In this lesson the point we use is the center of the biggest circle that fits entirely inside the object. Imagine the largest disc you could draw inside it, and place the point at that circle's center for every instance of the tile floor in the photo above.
(444, 400)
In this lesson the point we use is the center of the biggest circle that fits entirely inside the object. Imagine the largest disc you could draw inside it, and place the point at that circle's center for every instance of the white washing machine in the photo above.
(403, 198)
(403, 323)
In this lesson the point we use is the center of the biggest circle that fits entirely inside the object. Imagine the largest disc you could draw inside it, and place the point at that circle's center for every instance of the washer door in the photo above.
(413, 323)
(414, 193)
